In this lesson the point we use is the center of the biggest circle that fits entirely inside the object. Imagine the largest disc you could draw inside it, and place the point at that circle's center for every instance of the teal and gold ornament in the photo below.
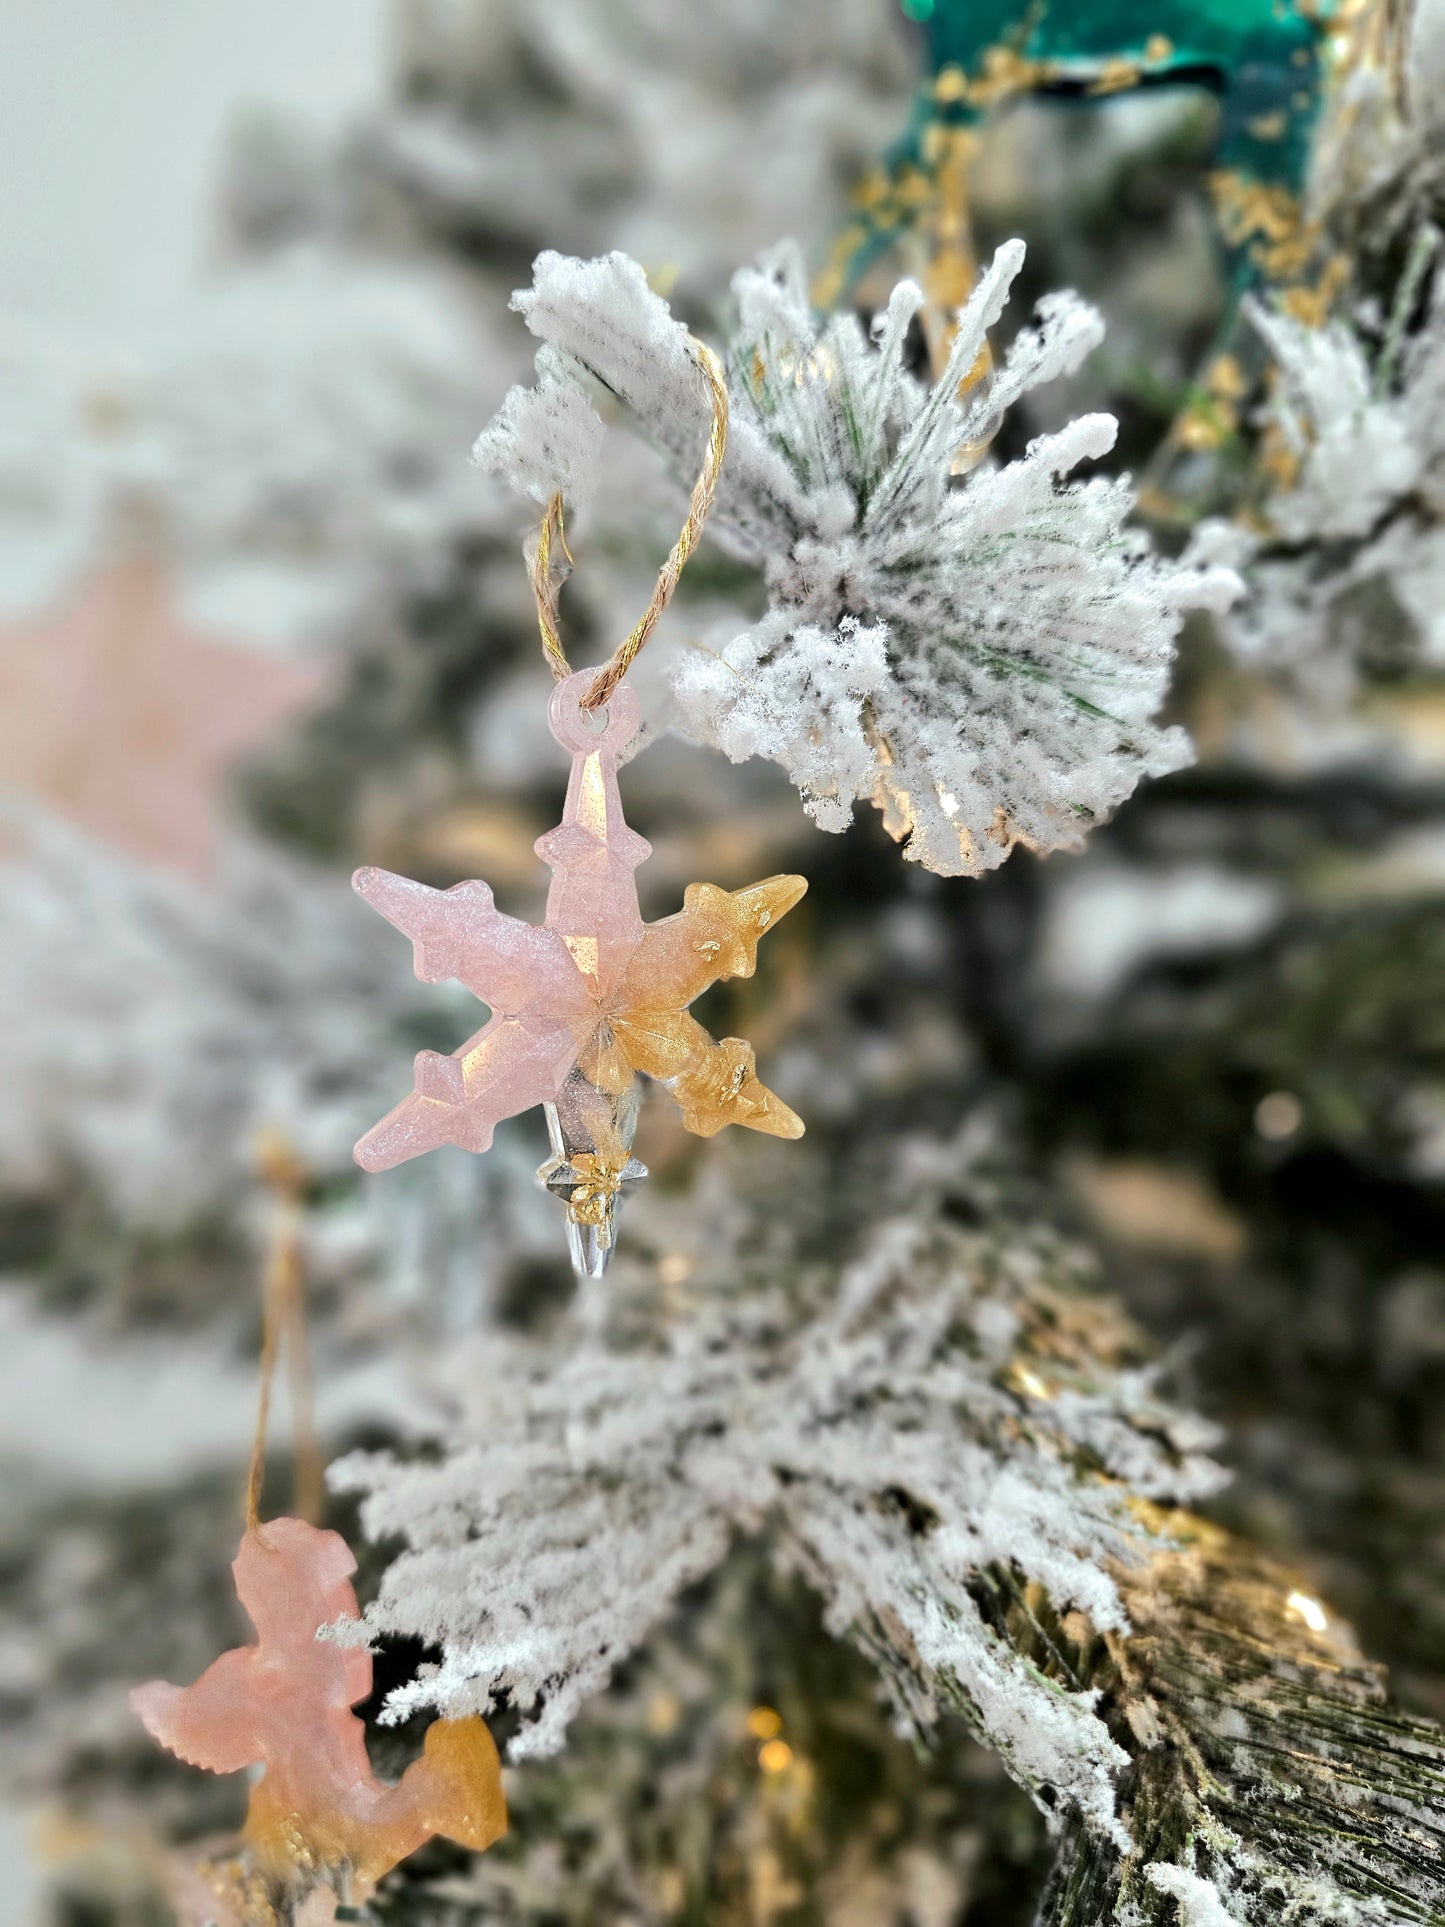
(1264, 60)
(1271, 65)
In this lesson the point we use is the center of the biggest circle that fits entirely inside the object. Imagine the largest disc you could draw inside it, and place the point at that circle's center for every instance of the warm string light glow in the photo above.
(1029, 1381)
(1309, 1610)
(765, 1724)
(1278, 1116)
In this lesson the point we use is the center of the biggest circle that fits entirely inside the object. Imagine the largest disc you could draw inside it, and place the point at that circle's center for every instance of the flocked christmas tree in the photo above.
(863, 1547)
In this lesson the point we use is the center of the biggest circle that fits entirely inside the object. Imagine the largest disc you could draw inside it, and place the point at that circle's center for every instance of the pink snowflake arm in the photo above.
(512, 966)
(506, 1068)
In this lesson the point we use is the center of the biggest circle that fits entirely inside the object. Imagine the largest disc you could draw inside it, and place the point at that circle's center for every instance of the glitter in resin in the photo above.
(586, 1000)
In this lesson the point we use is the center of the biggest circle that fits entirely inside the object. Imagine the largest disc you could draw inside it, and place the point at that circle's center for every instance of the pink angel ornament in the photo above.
(318, 1816)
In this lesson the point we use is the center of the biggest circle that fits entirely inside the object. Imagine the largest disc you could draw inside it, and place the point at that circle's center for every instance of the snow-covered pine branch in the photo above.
(166, 1028)
(914, 1434)
(635, 106)
(959, 1443)
(293, 429)
(982, 658)
(1361, 432)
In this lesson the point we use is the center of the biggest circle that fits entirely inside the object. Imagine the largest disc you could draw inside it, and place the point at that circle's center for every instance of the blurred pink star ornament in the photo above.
(127, 720)
(318, 1818)
(583, 1002)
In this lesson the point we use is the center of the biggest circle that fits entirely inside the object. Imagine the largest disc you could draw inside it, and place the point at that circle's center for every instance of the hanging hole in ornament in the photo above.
(579, 729)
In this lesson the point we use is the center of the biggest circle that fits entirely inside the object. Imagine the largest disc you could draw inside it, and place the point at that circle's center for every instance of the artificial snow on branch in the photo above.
(981, 657)
(960, 1444)
(1270, 1777)
(916, 1433)
(167, 1028)
(636, 108)
(1354, 547)
(293, 429)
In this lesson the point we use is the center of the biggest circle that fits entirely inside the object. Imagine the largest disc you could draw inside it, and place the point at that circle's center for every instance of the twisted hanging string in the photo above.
(539, 554)
(283, 1312)
(1392, 30)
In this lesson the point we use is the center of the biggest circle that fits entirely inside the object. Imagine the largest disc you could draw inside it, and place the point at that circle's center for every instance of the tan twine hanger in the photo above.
(283, 1288)
(283, 1312)
(540, 552)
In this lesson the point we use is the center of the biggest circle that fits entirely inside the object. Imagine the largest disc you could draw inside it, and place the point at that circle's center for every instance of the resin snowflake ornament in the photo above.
(585, 1001)
(317, 1815)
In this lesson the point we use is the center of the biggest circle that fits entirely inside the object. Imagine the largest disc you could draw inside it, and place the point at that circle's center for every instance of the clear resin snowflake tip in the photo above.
(587, 1000)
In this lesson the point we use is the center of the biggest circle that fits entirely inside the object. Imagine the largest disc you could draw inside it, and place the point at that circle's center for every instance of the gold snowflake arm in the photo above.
(721, 1086)
(715, 935)
(715, 1083)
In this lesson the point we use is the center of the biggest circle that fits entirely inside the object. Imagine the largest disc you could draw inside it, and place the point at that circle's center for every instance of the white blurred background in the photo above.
(112, 119)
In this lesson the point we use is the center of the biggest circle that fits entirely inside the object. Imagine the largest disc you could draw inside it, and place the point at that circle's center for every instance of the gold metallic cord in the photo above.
(284, 1315)
(539, 572)
(539, 554)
